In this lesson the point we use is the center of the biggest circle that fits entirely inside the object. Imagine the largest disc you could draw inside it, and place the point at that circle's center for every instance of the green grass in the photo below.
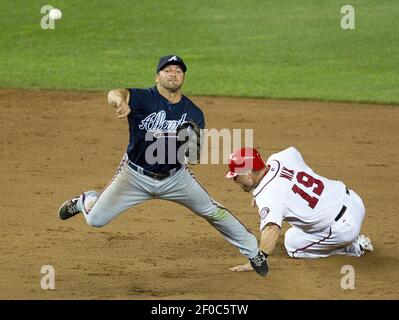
(276, 49)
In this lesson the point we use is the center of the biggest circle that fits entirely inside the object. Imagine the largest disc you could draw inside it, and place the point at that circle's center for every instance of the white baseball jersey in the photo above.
(293, 192)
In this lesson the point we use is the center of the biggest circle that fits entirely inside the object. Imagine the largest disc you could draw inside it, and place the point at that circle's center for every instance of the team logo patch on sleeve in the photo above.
(264, 212)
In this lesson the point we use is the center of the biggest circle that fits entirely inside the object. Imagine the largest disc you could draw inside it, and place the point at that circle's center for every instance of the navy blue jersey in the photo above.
(152, 123)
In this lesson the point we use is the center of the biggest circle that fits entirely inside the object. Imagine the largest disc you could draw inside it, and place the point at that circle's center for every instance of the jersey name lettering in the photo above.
(157, 122)
(287, 173)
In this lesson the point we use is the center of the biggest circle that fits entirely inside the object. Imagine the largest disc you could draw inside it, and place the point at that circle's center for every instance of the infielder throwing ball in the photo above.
(325, 215)
(153, 167)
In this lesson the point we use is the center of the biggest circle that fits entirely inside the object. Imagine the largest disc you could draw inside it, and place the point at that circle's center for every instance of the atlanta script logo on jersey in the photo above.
(156, 121)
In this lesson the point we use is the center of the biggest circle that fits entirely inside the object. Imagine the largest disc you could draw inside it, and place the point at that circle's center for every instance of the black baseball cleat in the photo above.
(69, 209)
(259, 264)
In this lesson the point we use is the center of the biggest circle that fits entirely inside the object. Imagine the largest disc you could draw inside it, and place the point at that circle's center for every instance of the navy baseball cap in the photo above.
(171, 59)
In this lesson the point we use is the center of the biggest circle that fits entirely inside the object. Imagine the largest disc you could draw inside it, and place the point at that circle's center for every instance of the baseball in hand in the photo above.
(55, 14)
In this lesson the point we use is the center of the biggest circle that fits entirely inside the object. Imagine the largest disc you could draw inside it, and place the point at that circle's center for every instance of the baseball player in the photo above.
(152, 167)
(325, 215)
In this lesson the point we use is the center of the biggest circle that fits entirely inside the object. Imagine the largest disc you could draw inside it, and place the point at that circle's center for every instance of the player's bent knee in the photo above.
(289, 241)
(96, 222)
(290, 246)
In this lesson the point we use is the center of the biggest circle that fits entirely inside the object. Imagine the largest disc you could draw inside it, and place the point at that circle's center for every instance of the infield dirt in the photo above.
(57, 144)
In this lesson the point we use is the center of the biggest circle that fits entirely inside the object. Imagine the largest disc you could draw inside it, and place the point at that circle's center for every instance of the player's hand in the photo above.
(242, 267)
(122, 110)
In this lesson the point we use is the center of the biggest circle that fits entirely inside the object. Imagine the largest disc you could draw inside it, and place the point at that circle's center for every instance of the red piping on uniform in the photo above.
(313, 243)
(270, 179)
(118, 171)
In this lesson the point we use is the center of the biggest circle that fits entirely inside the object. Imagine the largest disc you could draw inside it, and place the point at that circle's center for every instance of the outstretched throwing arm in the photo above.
(119, 98)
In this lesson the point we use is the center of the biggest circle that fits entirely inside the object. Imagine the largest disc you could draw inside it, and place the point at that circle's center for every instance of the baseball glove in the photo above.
(189, 136)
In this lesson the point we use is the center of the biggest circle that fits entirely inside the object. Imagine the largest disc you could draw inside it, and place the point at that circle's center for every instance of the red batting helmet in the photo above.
(244, 159)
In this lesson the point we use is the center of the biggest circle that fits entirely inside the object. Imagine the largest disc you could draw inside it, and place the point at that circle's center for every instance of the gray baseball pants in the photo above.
(129, 188)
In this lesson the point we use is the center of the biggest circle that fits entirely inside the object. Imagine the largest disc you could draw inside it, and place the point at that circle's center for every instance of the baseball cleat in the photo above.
(259, 264)
(68, 209)
(364, 243)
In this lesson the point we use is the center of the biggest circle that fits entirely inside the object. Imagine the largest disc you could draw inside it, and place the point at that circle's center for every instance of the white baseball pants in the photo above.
(336, 239)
